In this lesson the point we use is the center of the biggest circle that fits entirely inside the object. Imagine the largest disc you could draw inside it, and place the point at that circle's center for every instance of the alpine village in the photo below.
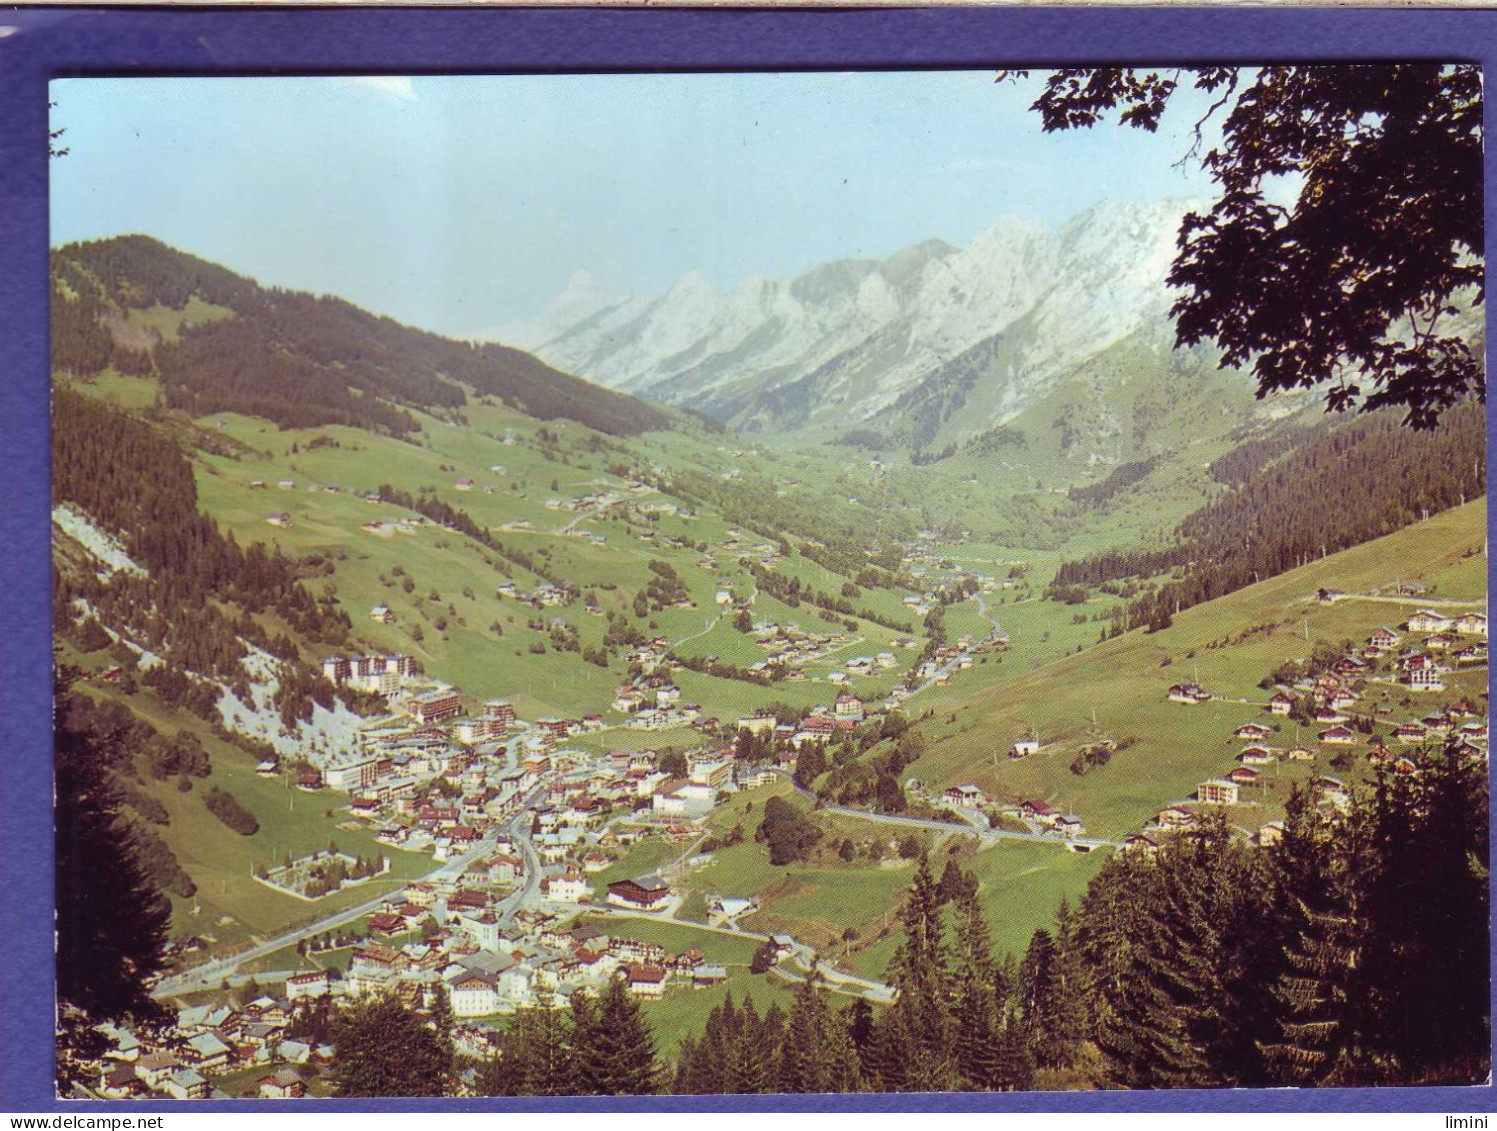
(1048, 710)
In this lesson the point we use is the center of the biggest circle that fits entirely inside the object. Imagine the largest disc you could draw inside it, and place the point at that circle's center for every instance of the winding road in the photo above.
(982, 611)
(713, 623)
(1417, 602)
(519, 829)
(953, 664)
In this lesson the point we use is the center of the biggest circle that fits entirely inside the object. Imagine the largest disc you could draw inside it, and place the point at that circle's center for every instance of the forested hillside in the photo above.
(195, 596)
(297, 359)
(166, 612)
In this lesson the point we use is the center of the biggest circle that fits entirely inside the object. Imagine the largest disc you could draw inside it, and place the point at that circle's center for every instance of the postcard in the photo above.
(764, 582)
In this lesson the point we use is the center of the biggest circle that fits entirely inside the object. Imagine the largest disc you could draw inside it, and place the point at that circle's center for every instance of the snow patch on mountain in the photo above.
(843, 341)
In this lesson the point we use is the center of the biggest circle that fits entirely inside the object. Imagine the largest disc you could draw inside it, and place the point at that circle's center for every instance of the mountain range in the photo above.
(933, 345)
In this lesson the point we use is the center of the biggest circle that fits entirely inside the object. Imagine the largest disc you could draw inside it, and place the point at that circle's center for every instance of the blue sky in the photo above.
(459, 204)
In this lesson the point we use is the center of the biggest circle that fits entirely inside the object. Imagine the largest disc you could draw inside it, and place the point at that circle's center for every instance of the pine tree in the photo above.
(844, 1066)
(535, 1056)
(752, 1051)
(1427, 910)
(977, 1011)
(890, 1052)
(441, 1021)
(1459, 1010)
(1142, 1041)
(953, 882)
(1014, 1070)
(1201, 951)
(702, 1065)
(817, 1054)
(493, 1077)
(551, 1063)
(723, 1032)
(918, 1051)
(800, 1055)
(1040, 1005)
(858, 1018)
(764, 1051)
(1322, 864)
(1104, 939)
(683, 1078)
(1068, 1004)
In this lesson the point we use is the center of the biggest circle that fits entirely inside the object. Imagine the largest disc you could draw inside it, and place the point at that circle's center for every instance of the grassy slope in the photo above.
(1020, 885)
(641, 859)
(817, 900)
(468, 653)
(165, 323)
